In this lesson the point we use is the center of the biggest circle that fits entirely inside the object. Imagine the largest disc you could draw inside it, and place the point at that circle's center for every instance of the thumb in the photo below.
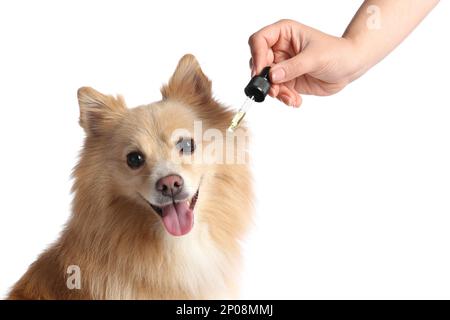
(292, 68)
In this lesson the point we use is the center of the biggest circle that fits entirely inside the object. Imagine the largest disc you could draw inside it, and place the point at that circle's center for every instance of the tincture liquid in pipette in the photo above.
(241, 114)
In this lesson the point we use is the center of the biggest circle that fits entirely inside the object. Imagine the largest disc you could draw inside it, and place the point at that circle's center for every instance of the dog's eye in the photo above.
(186, 145)
(135, 159)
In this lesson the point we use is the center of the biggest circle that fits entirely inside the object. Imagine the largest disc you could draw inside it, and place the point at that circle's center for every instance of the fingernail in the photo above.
(278, 75)
(286, 100)
(253, 72)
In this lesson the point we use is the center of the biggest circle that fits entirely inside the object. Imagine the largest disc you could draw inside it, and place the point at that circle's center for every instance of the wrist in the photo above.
(357, 58)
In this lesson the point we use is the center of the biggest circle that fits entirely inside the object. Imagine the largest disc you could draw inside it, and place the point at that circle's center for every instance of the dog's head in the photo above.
(151, 154)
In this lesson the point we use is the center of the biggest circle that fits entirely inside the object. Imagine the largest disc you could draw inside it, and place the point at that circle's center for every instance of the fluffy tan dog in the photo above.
(150, 220)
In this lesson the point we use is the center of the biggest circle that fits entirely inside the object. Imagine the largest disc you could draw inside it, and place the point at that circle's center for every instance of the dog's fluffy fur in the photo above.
(114, 236)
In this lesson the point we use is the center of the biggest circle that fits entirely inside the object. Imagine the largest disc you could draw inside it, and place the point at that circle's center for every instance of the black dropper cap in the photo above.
(259, 86)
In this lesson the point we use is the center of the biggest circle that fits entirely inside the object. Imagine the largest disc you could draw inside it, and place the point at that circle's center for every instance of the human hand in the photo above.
(304, 60)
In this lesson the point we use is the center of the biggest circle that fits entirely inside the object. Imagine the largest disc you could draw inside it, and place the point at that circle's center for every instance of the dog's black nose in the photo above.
(170, 185)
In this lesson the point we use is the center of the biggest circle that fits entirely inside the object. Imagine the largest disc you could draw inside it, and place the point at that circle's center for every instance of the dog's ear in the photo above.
(188, 83)
(99, 112)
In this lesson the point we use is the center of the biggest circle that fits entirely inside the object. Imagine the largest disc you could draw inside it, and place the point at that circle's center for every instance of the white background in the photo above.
(353, 190)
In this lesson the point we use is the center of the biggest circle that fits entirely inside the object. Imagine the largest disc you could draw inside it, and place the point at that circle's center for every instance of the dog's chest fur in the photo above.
(200, 267)
(192, 267)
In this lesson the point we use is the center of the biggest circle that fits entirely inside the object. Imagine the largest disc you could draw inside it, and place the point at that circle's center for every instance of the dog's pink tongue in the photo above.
(178, 219)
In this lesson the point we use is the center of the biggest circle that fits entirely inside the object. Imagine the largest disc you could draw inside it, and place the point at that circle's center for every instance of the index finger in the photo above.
(260, 42)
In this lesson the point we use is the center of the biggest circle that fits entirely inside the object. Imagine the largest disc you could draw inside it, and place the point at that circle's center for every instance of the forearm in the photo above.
(380, 25)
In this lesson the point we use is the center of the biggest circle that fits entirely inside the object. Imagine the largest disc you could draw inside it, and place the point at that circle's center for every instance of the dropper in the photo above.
(256, 91)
